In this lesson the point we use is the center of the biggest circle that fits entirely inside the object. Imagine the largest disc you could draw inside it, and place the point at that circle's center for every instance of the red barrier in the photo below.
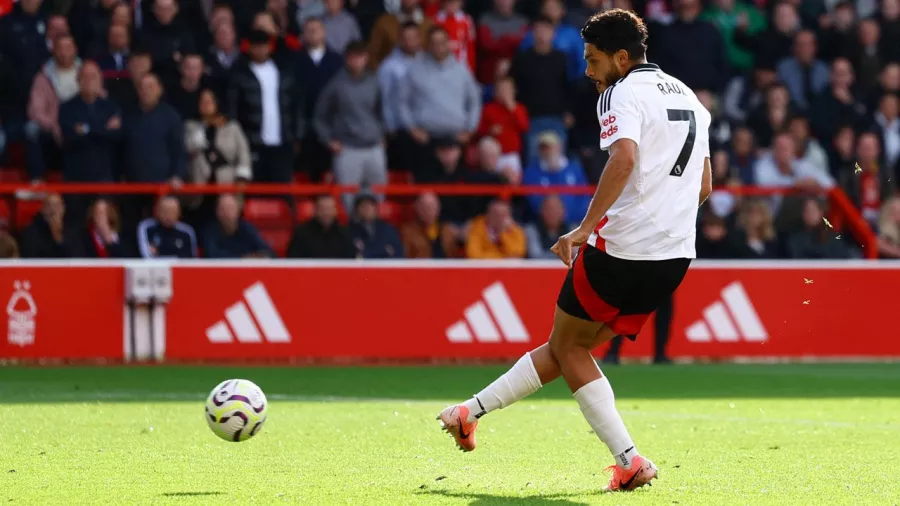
(500, 310)
(62, 312)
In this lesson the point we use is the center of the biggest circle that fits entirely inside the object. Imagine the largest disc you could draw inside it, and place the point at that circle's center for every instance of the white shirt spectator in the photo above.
(268, 76)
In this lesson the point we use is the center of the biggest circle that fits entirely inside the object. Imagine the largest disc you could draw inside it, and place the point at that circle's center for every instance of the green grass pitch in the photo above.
(721, 434)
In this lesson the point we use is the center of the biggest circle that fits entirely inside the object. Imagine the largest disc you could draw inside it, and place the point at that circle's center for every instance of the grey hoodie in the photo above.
(440, 97)
(349, 111)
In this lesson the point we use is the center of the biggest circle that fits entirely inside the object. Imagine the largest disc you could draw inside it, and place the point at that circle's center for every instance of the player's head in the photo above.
(614, 40)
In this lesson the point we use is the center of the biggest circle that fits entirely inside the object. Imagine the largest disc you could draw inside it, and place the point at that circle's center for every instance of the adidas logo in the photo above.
(731, 319)
(239, 320)
(485, 316)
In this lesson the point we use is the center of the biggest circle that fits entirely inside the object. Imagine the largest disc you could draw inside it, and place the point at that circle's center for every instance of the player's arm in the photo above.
(622, 157)
(706, 183)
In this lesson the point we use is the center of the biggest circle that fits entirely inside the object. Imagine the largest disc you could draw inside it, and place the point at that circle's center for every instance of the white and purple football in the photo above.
(236, 410)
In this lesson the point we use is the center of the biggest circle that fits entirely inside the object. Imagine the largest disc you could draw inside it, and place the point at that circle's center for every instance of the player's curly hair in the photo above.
(617, 29)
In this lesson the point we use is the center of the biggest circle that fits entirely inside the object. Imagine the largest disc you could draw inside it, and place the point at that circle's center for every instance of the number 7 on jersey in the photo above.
(685, 155)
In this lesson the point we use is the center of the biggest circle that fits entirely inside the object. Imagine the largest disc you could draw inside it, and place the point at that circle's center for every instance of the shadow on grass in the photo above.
(441, 383)
(490, 499)
(191, 494)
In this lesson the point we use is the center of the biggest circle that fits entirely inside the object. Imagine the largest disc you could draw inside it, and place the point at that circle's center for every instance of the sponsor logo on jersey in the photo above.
(609, 120)
(609, 133)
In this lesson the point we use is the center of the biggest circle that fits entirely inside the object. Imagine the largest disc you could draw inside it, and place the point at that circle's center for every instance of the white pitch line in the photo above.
(188, 396)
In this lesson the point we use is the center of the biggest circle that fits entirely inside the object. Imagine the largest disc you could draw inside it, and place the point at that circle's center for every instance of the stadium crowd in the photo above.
(804, 94)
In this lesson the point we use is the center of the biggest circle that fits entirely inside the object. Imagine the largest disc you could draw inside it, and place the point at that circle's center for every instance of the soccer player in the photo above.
(636, 240)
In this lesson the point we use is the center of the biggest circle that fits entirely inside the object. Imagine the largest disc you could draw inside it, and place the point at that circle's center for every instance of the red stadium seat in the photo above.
(267, 213)
(399, 177)
(26, 211)
(305, 210)
(389, 211)
(4, 214)
(13, 175)
(278, 239)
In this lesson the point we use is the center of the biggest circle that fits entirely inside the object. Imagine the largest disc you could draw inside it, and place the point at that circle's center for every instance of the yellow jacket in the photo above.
(479, 243)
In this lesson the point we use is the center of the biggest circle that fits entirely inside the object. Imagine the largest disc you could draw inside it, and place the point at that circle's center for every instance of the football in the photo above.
(236, 410)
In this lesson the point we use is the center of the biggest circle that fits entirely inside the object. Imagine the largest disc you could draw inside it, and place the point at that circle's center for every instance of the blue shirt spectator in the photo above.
(232, 237)
(91, 127)
(552, 168)
(164, 236)
(804, 76)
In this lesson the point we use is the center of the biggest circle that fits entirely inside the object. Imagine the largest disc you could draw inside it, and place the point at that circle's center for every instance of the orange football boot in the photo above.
(453, 421)
(641, 472)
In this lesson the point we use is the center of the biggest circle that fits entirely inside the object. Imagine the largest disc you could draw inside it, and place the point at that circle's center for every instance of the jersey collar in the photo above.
(642, 67)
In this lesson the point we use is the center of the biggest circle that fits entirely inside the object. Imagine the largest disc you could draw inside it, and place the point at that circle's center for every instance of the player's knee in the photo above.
(563, 347)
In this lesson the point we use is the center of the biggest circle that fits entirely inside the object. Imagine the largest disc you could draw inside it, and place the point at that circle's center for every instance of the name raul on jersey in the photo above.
(667, 88)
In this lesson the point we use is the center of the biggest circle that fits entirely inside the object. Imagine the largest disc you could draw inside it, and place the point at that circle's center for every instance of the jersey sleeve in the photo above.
(619, 116)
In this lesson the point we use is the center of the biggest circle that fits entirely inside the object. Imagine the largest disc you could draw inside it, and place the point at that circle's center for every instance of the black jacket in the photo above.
(163, 42)
(312, 240)
(154, 145)
(316, 76)
(157, 241)
(245, 103)
(22, 40)
(90, 156)
(37, 241)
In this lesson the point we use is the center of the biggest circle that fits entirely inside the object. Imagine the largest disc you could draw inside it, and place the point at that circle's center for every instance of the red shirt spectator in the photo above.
(6, 7)
(430, 8)
(505, 119)
(460, 29)
(500, 32)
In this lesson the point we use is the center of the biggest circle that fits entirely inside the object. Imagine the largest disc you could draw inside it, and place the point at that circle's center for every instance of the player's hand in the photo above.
(564, 246)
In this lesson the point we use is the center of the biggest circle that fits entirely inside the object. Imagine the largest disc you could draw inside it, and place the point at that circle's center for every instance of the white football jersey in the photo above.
(655, 218)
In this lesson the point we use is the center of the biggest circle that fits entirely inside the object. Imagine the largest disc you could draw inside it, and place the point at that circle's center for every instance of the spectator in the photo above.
(231, 236)
(373, 237)
(426, 236)
(322, 236)
(809, 151)
(8, 246)
(46, 236)
(726, 16)
(318, 64)
(874, 184)
(154, 138)
(90, 24)
(125, 91)
(218, 154)
(865, 55)
(282, 44)
(816, 240)
(887, 126)
(889, 229)
(56, 83)
(889, 22)
(12, 114)
(348, 121)
(164, 236)
(746, 93)
(393, 71)
(553, 168)
(719, 128)
(837, 105)
(341, 27)
(713, 239)
(888, 82)
(578, 15)
(782, 168)
(114, 58)
(186, 96)
(495, 234)
(837, 31)
(24, 38)
(101, 234)
(268, 103)
(222, 58)
(167, 38)
(447, 169)
(492, 165)
(460, 29)
(507, 121)
(743, 155)
(500, 33)
(771, 116)
(439, 97)
(704, 67)
(775, 43)
(387, 29)
(842, 156)
(803, 74)
(549, 227)
(541, 79)
(756, 233)
(122, 16)
(564, 38)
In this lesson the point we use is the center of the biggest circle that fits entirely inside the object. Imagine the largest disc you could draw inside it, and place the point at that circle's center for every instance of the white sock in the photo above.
(598, 405)
(517, 383)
